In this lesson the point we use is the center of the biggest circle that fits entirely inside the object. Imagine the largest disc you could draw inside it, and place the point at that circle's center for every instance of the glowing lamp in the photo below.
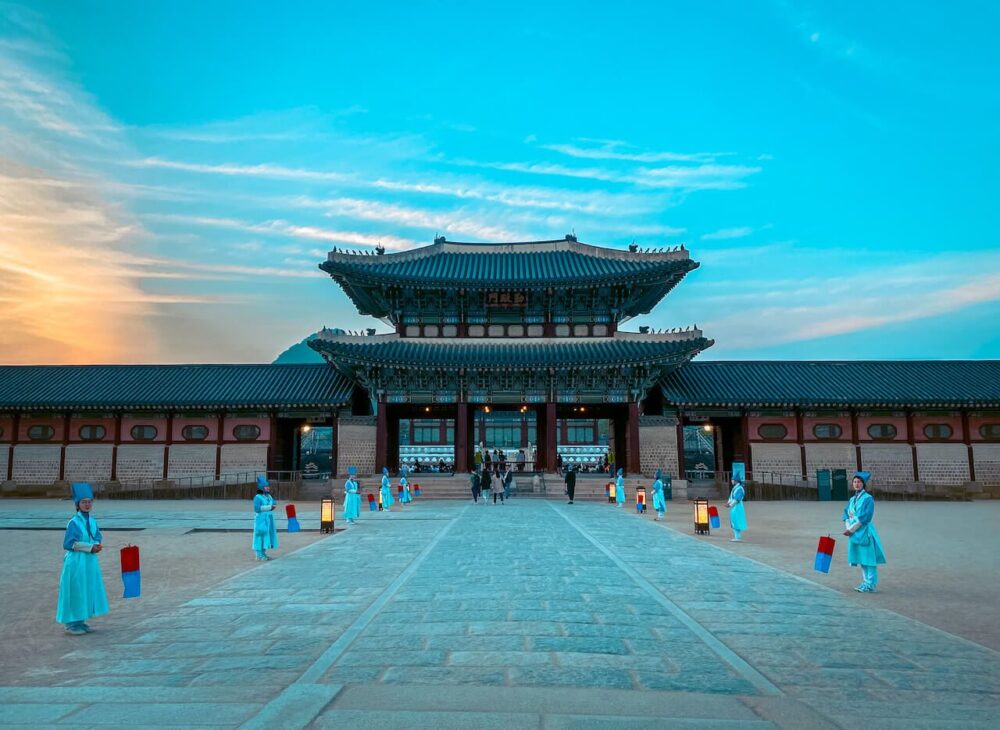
(372, 507)
(713, 517)
(701, 516)
(611, 491)
(326, 515)
(640, 499)
(824, 554)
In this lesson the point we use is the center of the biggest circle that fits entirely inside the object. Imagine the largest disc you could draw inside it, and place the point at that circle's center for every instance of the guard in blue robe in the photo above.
(405, 497)
(81, 587)
(737, 516)
(386, 490)
(620, 488)
(864, 547)
(265, 534)
(659, 499)
(352, 496)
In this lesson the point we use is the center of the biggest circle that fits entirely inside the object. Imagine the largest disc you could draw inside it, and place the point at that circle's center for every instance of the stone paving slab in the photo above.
(449, 615)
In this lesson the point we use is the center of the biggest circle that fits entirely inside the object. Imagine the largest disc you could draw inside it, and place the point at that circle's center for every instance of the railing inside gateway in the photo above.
(232, 485)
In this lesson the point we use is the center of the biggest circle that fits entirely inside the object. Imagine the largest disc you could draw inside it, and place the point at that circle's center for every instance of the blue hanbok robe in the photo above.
(265, 534)
(737, 516)
(659, 500)
(81, 587)
(386, 492)
(352, 499)
(405, 497)
(863, 547)
(620, 490)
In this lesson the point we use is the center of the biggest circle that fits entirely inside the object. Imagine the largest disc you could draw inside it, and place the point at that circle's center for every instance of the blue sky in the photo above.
(171, 173)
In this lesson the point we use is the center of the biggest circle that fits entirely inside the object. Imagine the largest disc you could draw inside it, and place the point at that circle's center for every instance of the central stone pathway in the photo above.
(531, 614)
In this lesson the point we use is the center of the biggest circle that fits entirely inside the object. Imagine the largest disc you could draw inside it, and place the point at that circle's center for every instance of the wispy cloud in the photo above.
(276, 172)
(726, 233)
(614, 150)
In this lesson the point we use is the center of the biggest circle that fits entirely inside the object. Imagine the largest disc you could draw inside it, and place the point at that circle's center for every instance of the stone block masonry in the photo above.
(776, 459)
(987, 460)
(36, 464)
(888, 463)
(356, 444)
(944, 464)
(88, 462)
(830, 456)
(136, 463)
(658, 445)
(239, 458)
(187, 460)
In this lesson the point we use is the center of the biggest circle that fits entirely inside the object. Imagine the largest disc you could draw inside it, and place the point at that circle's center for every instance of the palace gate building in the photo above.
(514, 348)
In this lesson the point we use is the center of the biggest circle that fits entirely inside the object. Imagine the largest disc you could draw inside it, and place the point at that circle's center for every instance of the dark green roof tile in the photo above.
(119, 387)
(939, 383)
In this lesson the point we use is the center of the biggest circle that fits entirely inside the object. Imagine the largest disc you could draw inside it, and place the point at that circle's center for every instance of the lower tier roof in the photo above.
(135, 387)
(873, 384)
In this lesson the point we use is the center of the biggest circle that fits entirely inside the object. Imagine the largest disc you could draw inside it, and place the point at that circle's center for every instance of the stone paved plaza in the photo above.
(536, 614)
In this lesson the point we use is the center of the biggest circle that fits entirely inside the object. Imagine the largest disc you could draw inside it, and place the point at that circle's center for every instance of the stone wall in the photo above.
(356, 444)
(888, 463)
(36, 464)
(830, 456)
(776, 459)
(987, 461)
(237, 458)
(88, 463)
(4, 461)
(137, 463)
(658, 445)
(946, 464)
(190, 460)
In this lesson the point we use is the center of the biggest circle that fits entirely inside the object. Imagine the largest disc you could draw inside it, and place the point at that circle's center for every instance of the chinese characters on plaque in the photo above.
(506, 299)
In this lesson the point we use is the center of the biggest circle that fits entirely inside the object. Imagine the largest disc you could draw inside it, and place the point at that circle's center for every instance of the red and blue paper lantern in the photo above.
(372, 507)
(399, 492)
(293, 521)
(640, 501)
(130, 571)
(416, 490)
(824, 554)
(713, 517)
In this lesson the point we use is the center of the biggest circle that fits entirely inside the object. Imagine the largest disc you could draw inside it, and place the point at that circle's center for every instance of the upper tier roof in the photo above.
(134, 387)
(528, 265)
(884, 384)
(622, 349)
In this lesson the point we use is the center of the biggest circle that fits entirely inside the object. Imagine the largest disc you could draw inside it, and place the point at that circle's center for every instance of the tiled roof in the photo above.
(507, 353)
(940, 383)
(121, 387)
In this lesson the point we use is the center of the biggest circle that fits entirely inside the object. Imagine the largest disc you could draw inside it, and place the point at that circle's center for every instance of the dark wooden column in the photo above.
(218, 444)
(680, 446)
(745, 429)
(551, 436)
(62, 450)
(272, 442)
(856, 439)
(911, 439)
(632, 438)
(462, 437)
(114, 449)
(381, 437)
(334, 427)
(392, 436)
(967, 439)
(14, 437)
(801, 438)
(166, 449)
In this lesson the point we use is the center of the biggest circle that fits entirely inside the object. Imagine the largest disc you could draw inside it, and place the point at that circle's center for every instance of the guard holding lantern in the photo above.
(620, 488)
(385, 493)
(864, 547)
(352, 496)
(265, 534)
(81, 588)
(659, 501)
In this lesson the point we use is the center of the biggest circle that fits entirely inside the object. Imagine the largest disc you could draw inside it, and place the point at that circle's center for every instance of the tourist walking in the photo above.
(386, 490)
(484, 484)
(620, 488)
(864, 547)
(81, 587)
(570, 482)
(496, 483)
(737, 516)
(659, 499)
(352, 496)
(265, 534)
(508, 480)
(474, 484)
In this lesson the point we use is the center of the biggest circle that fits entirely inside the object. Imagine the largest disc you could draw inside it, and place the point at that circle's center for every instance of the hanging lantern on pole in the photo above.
(293, 521)
(640, 499)
(701, 516)
(824, 554)
(416, 490)
(372, 507)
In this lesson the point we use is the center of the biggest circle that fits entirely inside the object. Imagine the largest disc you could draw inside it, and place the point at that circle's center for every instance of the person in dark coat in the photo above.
(474, 485)
(570, 482)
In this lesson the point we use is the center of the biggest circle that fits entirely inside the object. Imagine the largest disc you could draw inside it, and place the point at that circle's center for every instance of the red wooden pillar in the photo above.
(13, 442)
(381, 437)
(551, 437)
(911, 439)
(801, 438)
(747, 458)
(681, 474)
(967, 438)
(632, 437)
(114, 449)
(462, 437)
(272, 441)
(62, 451)
(170, 440)
(218, 444)
(334, 427)
(856, 439)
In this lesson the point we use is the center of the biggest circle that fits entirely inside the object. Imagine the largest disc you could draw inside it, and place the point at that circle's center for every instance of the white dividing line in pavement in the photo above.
(758, 680)
(307, 686)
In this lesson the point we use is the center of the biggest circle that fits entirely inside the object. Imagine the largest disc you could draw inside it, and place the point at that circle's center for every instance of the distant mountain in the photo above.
(301, 353)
